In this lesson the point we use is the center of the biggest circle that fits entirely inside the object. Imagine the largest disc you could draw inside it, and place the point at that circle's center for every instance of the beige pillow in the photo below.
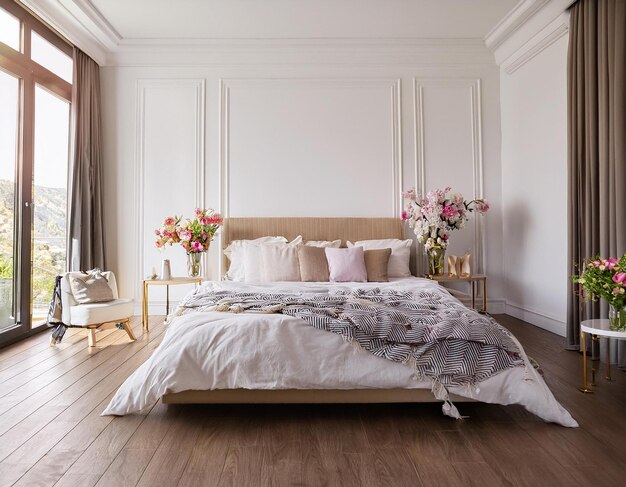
(279, 263)
(92, 287)
(313, 264)
(400, 253)
(335, 244)
(377, 264)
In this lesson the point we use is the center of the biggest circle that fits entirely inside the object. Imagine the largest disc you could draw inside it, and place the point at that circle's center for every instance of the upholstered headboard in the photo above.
(313, 228)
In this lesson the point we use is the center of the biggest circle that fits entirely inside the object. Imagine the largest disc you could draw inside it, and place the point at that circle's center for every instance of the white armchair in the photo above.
(96, 316)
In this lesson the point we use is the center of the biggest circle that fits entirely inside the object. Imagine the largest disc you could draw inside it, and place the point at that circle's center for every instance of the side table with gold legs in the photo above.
(167, 283)
(597, 328)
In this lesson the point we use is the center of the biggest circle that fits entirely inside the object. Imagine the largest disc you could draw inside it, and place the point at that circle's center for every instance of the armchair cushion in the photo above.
(92, 287)
(96, 313)
(67, 297)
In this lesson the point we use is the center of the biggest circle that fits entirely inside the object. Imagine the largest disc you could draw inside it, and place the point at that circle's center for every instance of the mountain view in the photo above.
(48, 245)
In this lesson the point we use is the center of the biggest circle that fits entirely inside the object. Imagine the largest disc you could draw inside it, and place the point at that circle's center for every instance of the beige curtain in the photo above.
(597, 143)
(86, 235)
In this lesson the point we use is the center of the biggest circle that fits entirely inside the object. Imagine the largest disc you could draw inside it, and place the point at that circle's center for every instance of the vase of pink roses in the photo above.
(194, 235)
(433, 218)
(606, 278)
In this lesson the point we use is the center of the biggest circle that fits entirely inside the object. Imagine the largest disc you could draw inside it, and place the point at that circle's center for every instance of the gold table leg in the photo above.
(608, 359)
(473, 294)
(144, 314)
(584, 388)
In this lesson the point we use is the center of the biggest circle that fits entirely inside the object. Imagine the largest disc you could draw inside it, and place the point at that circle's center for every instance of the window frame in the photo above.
(30, 74)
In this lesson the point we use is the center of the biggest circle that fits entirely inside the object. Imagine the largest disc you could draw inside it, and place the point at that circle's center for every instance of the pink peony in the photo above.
(449, 211)
(215, 219)
(410, 194)
(620, 278)
(611, 262)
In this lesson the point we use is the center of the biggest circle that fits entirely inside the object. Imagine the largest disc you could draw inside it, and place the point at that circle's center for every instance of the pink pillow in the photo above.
(346, 265)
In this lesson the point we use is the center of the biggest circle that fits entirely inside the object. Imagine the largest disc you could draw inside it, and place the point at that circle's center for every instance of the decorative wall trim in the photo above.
(224, 129)
(199, 88)
(477, 148)
(512, 21)
(537, 44)
(537, 318)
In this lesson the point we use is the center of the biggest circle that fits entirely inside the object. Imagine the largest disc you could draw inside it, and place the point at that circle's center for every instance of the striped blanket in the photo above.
(427, 330)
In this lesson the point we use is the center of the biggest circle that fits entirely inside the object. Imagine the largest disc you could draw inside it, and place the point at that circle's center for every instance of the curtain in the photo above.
(85, 226)
(596, 145)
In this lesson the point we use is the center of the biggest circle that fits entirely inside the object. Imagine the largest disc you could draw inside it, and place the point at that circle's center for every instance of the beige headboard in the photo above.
(313, 228)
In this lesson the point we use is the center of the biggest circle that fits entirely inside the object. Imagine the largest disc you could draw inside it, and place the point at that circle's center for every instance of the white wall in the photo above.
(534, 186)
(296, 130)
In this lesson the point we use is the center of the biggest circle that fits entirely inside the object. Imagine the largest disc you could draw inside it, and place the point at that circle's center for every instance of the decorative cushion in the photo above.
(253, 263)
(335, 244)
(346, 265)
(400, 254)
(236, 252)
(280, 263)
(97, 313)
(376, 264)
(313, 264)
(91, 287)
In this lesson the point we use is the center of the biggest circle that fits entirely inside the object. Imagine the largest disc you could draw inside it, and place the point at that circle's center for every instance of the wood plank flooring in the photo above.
(51, 431)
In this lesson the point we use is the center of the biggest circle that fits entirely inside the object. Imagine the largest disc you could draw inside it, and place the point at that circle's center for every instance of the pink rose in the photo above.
(620, 278)
(611, 262)
(169, 221)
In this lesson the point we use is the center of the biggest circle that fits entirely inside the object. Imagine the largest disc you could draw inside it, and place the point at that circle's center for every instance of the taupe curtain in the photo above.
(85, 235)
(597, 143)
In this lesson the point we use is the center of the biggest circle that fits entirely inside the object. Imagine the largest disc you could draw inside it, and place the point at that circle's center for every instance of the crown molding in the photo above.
(77, 31)
(512, 21)
(527, 29)
(544, 39)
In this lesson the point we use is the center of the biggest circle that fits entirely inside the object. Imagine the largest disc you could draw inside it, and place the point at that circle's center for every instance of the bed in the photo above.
(219, 357)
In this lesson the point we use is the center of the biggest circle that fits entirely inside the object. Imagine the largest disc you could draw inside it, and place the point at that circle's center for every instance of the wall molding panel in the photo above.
(197, 89)
(472, 86)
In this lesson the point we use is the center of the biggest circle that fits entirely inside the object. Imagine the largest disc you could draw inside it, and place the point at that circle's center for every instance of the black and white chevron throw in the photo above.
(427, 330)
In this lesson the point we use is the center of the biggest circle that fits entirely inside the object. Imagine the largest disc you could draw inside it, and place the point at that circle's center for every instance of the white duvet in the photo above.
(213, 350)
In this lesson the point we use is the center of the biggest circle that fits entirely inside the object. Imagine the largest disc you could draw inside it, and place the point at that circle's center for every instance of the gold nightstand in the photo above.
(473, 280)
(167, 283)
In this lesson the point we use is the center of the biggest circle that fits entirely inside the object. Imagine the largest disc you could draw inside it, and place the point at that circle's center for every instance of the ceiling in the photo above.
(129, 20)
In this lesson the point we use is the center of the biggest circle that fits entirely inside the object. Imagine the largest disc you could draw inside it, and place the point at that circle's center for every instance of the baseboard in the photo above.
(536, 318)
(496, 306)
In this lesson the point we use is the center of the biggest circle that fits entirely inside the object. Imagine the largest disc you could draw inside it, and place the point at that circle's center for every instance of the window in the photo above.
(35, 97)
(9, 126)
(9, 30)
(49, 56)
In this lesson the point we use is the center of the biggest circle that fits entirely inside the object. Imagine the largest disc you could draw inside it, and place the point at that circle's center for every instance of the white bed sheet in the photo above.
(213, 350)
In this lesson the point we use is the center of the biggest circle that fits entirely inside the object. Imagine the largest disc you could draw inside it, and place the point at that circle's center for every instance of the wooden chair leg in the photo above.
(91, 337)
(129, 330)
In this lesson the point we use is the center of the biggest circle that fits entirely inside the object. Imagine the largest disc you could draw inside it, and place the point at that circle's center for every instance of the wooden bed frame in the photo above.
(352, 229)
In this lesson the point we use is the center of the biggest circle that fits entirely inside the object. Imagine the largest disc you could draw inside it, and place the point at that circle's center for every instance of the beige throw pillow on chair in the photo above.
(91, 287)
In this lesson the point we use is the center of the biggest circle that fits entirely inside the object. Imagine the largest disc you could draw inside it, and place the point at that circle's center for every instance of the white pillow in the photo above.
(253, 263)
(280, 263)
(333, 244)
(235, 253)
(400, 254)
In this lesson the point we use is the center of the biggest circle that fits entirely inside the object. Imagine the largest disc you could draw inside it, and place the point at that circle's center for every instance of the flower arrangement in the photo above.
(193, 235)
(606, 278)
(433, 218)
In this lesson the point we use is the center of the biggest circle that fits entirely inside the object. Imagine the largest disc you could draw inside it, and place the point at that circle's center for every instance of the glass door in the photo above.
(35, 96)
(9, 133)
(49, 208)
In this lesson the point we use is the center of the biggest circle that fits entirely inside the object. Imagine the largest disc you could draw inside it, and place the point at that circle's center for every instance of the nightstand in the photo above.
(167, 283)
(473, 280)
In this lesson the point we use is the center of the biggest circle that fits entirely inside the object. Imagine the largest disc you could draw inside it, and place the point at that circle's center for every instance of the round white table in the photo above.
(597, 328)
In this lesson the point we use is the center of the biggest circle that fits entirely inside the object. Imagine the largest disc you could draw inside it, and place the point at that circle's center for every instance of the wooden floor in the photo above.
(51, 431)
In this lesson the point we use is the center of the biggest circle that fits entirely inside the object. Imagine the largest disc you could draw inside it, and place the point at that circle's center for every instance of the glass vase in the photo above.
(617, 318)
(436, 256)
(194, 263)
